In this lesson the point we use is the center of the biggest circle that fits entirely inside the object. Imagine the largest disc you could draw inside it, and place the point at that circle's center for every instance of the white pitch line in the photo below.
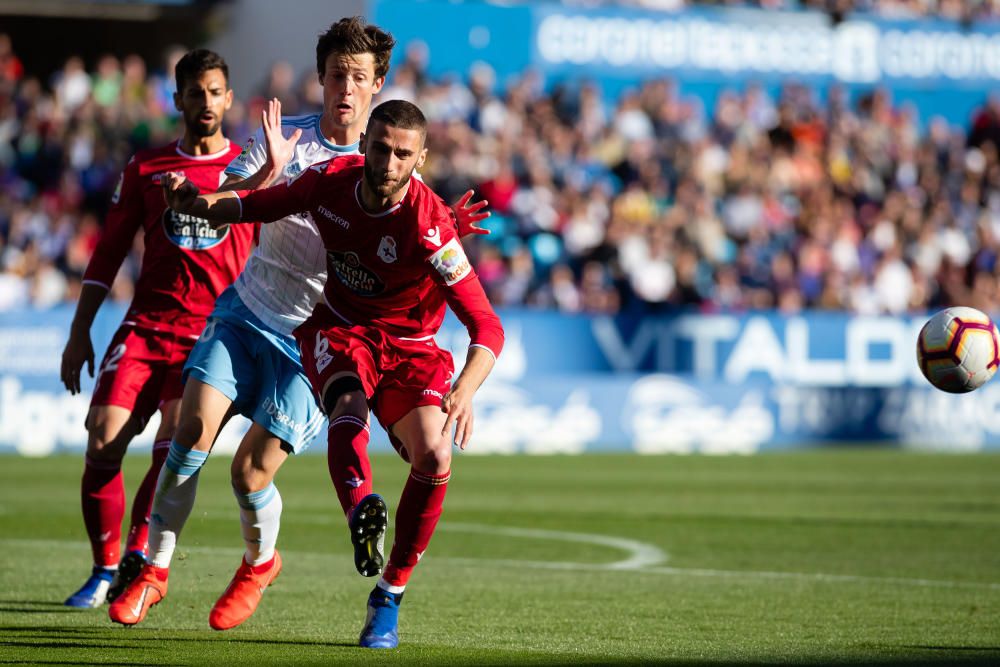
(640, 554)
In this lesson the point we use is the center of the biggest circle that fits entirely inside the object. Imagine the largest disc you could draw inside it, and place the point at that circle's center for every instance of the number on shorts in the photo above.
(209, 330)
(111, 361)
(323, 357)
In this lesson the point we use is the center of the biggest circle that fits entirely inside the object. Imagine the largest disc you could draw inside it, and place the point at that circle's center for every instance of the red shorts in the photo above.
(141, 371)
(397, 374)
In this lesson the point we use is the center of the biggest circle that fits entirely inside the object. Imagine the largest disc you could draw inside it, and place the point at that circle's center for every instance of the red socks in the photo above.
(142, 504)
(419, 509)
(102, 497)
(347, 460)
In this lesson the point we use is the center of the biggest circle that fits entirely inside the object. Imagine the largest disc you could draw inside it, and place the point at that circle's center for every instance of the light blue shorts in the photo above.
(258, 369)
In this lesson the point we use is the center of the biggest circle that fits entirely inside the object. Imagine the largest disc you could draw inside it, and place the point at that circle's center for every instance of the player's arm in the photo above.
(222, 208)
(276, 152)
(182, 195)
(466, 297)
(123, 221)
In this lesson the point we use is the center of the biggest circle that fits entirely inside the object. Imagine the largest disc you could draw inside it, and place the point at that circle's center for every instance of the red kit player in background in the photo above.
(394, 259)
(185, 266)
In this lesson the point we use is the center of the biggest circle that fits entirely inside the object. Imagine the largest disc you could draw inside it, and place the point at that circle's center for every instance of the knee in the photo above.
(191, 432)
(431, 458)
(104, 444)
(247, 477)
(348, 403)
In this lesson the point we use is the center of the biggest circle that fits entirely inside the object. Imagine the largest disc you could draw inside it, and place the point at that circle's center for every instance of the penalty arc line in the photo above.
(640, 554)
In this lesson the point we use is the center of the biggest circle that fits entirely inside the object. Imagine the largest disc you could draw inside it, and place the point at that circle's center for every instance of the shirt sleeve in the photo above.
(279, 201)
(250, 159)
(463, 291)
(468, 301)
(123, 220)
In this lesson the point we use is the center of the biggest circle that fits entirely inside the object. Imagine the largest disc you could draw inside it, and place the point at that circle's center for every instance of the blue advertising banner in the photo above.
(706, 49)
(571, 384)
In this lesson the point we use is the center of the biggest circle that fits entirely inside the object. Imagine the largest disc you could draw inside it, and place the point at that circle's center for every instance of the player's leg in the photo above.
(285, 421)
(415, 375)
(350, 471)
(102, 497)
(420, 505)
(257, 460)
(136, 543)
(203, 411)
(121, 404)
(212, 371)
(341, 370)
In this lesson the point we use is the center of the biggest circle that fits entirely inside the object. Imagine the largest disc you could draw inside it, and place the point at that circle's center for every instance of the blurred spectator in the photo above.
(643, 203)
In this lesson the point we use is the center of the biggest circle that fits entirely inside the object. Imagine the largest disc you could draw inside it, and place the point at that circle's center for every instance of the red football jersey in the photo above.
(393, 270)
(186, 264)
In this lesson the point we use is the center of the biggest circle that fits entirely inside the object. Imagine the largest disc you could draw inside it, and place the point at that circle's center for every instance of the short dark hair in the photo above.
(400, 113)
(197, 62)
(352, 37)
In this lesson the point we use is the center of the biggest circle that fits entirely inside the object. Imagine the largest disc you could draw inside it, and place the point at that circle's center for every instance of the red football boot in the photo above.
(146, 590)
(241, 598)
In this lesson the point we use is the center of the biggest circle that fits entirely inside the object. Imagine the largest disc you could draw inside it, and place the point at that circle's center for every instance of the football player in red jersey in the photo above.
(394, 259)
(185, 266)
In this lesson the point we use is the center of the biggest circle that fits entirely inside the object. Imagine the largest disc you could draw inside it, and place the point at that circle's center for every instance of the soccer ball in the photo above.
(959, 349)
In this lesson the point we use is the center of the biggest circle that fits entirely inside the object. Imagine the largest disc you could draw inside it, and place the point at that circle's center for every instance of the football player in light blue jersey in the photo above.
(246, 359)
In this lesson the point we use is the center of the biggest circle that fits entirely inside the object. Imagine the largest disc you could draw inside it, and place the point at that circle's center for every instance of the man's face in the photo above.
(203, 101)
(391, 155)
(348, 86)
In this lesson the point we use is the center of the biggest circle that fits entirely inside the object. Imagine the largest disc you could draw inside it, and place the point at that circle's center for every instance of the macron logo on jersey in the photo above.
(330, 215)
(433, 236)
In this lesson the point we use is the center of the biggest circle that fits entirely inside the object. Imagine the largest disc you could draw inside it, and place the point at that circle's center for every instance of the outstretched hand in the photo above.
(467, 215)
(279, 149)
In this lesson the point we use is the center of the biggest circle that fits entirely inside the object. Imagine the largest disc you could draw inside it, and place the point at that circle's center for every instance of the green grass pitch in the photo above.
(816, 557)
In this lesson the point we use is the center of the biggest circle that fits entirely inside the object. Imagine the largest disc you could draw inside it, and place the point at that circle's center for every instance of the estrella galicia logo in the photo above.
(191, 233)
(356, 277)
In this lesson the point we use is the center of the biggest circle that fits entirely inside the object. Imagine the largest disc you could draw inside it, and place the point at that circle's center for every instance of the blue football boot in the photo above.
(368, 523)
(382, 625)
(94, 591)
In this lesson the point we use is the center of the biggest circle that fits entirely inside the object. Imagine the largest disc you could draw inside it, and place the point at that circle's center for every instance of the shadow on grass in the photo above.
(61, 643)
(81, 662)
(88, 639)
(35, 607)
(995, 649)
(64, 637)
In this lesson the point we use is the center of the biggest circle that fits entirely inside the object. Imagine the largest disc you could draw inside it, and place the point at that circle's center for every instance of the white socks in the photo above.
(260, 519)
(175, 492)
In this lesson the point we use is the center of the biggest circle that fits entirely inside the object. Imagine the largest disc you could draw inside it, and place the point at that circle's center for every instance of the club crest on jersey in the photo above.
(353, 274)
(293, 170)
(191, 233)
(451, 262)
(387, 249)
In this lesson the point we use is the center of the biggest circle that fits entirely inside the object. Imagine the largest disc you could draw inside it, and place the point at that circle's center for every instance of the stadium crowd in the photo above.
(952, 10)
(647, 203)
